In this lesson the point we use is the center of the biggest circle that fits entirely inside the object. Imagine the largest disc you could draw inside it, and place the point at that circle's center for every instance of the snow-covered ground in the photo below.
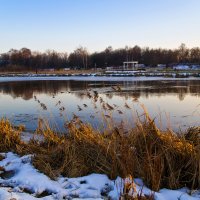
(186, 67)
(181, 67)
(19, 180)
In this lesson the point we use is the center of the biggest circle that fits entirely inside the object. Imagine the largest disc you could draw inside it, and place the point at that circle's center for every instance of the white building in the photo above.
(130, 65)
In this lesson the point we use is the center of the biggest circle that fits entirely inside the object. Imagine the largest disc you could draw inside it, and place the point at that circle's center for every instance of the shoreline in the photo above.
(88, 77)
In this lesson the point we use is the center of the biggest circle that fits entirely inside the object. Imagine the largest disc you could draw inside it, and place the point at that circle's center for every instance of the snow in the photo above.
(26, 183)
(195, 67)
(181, 67)
(165, 194)
(26, 177)
(27, 136)
(122, 72)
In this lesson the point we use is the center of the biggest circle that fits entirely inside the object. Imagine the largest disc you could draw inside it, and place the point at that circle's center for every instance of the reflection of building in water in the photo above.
(182, 93)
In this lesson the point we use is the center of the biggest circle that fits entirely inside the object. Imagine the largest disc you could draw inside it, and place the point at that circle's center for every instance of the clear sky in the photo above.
(64, 25)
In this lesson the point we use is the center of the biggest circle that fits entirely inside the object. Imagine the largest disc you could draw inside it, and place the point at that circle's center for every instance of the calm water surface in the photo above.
(172, 103)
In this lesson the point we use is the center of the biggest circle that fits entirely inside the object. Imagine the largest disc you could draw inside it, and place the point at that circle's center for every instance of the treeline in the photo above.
(81, 58)
(28, 60)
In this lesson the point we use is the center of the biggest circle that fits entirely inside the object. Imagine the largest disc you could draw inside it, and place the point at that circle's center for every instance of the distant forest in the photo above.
(81, 58)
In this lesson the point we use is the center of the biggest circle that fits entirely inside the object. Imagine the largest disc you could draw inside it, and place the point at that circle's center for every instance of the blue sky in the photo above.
(64, 25)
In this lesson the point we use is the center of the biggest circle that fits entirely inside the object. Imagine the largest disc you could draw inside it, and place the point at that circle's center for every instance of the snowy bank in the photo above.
(21, 181)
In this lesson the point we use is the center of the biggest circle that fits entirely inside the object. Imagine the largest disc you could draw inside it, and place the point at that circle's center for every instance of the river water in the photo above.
(173, 103)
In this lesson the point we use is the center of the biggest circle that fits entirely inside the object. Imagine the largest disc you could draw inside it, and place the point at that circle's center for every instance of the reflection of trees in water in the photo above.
(27, 89)
(159, 88)
(135, 89)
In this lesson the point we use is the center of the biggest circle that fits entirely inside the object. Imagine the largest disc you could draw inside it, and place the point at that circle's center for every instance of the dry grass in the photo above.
(161, 159)
(9, 136)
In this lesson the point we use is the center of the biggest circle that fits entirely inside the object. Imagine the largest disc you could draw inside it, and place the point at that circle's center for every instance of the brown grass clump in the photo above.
(161, 159)
(9, 136)
(55, 160)
(193, 135)
(164, 159)
(130, 192)
(81, 152)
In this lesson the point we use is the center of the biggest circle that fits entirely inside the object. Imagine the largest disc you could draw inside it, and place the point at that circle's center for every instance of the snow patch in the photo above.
(24, 182)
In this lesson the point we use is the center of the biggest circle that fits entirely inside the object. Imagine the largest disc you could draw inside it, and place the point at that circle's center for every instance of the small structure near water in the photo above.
(130, 65)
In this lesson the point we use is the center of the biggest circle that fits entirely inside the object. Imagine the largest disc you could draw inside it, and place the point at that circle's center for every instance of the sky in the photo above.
(64, 25)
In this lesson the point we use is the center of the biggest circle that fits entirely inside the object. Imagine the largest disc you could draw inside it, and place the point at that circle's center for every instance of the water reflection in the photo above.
(27, 89)
(174, 101)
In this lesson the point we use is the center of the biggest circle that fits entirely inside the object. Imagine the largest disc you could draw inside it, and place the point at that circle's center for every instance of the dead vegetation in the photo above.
(9, 136)
(161, 159)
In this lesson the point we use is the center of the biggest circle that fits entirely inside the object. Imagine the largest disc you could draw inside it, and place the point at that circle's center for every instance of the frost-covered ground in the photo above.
(19, 180)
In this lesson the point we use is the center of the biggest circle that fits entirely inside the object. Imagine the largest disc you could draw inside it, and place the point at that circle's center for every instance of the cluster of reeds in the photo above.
(161, 159)
(9, 136)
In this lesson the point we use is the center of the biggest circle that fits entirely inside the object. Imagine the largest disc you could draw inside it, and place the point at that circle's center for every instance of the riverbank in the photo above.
(106, 73)
(23, 184)
(90, 77)
(142, 152)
